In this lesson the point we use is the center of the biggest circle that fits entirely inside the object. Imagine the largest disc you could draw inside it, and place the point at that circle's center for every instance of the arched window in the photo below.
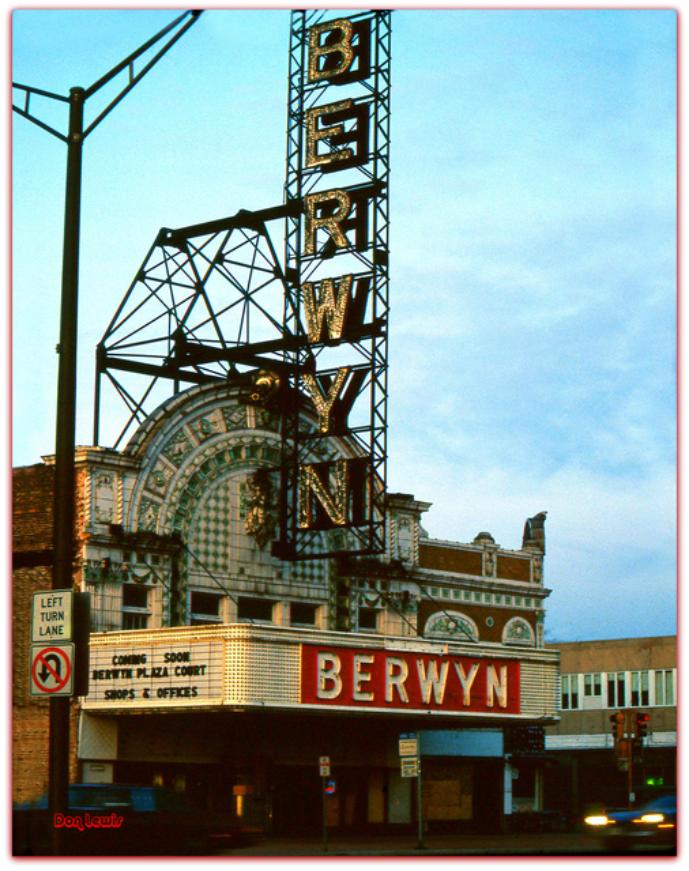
(518, 631)
(451, 624)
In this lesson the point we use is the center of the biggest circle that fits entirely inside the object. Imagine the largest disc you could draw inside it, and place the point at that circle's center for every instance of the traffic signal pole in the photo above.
(629, 731)
(630, 759)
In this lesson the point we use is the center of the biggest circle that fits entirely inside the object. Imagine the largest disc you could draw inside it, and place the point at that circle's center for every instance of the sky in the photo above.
(533, 260)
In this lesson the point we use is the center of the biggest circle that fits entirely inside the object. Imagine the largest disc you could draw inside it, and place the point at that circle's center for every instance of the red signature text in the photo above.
(87, 821)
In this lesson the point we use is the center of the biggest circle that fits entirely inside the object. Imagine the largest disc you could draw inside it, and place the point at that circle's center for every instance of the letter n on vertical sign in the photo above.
(333, 494)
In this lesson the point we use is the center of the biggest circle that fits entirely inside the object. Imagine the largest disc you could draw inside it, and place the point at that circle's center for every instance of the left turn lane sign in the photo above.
(52, 669)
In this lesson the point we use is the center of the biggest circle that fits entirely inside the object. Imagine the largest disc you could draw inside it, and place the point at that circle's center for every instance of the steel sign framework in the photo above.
(337, 259)
(204, 307)
(306, 337)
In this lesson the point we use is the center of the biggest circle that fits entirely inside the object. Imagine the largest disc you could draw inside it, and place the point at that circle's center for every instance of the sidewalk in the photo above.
(568, 844)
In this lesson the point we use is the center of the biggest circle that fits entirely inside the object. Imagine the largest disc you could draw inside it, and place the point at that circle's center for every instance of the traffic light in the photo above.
(617, 727)
(525, 740)
(641, 724)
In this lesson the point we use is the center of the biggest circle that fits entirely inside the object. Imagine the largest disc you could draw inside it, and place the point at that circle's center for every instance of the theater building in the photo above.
(218, 669)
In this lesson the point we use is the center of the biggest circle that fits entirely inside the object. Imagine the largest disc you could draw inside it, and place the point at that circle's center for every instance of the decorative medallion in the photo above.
(518, 631)
(451, 624)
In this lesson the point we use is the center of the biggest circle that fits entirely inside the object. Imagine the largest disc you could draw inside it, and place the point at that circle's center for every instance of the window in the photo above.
(592, 685)
(640, 694)
(368, 618)
(249, 608)
(134, 621)
(570, 692)
(302, 613)
(134, 596)
(665, 694)
(205, 608)
(135, 611)
(616, 689)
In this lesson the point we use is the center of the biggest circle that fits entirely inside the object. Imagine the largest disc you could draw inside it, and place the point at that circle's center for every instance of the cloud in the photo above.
(610, 537)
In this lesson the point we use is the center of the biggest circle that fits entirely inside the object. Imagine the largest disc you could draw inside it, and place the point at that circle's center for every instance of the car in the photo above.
(652, 826)
(121, 819)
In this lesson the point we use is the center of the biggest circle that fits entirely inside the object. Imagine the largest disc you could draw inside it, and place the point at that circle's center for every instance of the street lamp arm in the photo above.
(40, 124)
(128, 62)
(25, 112)
(30, 90)
(96, 86)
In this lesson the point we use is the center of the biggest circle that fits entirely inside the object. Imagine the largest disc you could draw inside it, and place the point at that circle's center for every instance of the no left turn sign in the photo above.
(52, 669)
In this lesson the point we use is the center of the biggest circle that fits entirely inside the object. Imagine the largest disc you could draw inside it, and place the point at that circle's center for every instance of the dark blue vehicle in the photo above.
(652, 827)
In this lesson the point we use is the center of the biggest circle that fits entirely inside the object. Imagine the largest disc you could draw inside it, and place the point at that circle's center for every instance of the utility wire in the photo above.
(452, 619)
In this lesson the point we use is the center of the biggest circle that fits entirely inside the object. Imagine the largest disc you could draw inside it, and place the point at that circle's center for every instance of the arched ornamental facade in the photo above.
(220, 669)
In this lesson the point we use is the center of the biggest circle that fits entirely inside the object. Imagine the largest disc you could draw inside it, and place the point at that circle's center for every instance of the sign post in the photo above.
(419, 806)
(324, 768)
(410, 766)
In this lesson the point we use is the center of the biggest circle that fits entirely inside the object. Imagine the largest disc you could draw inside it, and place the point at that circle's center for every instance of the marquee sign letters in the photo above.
(357, 677)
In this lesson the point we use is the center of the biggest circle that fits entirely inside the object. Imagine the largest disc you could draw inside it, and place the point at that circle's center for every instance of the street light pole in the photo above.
(64, 493)
(67, 366)
(63, 497)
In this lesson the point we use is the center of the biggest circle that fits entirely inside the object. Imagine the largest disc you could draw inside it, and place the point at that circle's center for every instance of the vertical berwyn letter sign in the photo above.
(337, 256)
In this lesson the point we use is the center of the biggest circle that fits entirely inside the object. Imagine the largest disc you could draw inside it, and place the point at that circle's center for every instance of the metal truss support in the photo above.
(204, 307)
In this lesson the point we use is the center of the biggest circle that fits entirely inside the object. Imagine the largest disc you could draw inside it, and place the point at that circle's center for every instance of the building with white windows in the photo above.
(598, 680)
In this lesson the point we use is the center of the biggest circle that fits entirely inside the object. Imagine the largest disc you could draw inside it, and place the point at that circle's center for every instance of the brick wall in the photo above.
(32, 531)
(449, 559)
(32, 508)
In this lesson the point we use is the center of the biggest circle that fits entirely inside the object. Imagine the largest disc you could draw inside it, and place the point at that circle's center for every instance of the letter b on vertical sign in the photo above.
(340, 51)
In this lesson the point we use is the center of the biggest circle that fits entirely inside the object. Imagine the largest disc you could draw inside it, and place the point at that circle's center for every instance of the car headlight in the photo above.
(598, 820)
(650, 818)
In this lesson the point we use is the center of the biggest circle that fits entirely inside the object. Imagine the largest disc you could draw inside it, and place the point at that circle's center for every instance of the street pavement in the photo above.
(524, 844)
